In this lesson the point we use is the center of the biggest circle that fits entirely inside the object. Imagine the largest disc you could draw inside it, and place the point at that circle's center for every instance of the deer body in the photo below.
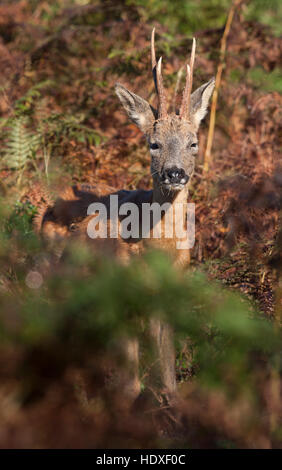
(172, 140)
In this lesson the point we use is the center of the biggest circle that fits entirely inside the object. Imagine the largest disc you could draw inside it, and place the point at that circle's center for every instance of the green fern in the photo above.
(70, 126)
(26, 103)
(21, 144)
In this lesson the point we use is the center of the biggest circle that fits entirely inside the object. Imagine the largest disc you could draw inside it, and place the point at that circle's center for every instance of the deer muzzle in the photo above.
(174, 178)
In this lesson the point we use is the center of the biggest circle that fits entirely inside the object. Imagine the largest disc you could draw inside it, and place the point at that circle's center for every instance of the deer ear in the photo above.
(138, 110)
(200, 101)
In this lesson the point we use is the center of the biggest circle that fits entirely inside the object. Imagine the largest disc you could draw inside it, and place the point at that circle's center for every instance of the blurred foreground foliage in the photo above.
(61, 321)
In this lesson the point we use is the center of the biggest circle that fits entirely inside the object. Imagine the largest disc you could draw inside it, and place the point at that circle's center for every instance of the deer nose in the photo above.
(174, 175)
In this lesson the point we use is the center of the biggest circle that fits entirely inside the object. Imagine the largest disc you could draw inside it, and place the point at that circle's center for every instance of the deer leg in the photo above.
(130, 374)
(124, 384)
(162, 377)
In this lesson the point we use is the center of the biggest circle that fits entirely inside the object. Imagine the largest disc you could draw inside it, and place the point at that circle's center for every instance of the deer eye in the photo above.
(194, 145)
(154, 146)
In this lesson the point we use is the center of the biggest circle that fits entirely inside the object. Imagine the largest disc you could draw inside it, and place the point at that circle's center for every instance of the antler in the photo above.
(157, 75)
(186, 99)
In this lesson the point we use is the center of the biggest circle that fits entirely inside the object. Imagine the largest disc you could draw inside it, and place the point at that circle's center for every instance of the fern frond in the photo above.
(21, 144)
(73, 127)
(24, 103)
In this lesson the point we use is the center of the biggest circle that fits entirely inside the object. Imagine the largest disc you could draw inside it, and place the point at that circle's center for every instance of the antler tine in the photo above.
(184, 108)
(161, 91)
(192, 60)
(185, 105)
(157, 75)
(153, 53)
(154, 62)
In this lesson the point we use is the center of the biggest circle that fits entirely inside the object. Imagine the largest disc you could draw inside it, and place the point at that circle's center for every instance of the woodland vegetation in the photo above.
(61, 124)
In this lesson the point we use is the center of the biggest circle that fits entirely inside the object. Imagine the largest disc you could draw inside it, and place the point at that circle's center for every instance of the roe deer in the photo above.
(173, 144)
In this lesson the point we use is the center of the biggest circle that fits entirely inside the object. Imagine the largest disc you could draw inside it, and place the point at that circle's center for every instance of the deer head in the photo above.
(172, 138)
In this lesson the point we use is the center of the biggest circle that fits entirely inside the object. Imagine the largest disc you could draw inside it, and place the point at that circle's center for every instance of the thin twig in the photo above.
(230, 16)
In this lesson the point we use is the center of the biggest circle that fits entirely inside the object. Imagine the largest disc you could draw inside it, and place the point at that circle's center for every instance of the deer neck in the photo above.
(162, 196)
(176, 211)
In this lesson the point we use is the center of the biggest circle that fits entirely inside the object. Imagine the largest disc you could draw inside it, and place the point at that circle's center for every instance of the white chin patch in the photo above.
(174, 187)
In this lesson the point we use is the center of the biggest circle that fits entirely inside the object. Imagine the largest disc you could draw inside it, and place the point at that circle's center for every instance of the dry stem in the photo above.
(232, 10)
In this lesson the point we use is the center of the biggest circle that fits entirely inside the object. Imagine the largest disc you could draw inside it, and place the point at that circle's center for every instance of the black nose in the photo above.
(174, 175)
